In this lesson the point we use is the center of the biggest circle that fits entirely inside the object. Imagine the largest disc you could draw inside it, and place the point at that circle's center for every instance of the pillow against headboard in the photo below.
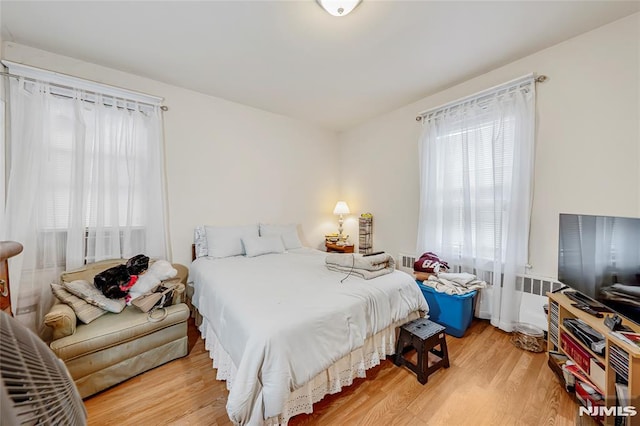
(257, 246)
(288, 233)
(226, 241)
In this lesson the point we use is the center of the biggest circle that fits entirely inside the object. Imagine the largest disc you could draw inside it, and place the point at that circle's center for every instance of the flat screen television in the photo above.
(599, 256)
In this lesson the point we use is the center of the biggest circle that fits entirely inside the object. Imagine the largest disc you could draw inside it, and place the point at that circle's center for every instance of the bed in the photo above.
(284, 331)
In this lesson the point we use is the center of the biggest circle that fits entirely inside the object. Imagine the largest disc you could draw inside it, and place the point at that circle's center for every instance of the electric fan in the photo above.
(36, 388)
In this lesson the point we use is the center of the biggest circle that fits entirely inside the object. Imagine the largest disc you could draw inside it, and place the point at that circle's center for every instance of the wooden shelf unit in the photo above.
(365, 231)
(561, 304)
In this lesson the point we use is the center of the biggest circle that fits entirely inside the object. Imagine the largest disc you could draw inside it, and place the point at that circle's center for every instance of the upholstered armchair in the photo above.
(115, 347)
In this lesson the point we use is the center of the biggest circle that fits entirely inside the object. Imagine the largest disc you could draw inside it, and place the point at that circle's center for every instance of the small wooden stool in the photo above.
(423, 336)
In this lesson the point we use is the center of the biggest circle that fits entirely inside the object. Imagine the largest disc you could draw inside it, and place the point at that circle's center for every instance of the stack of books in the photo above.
(619, 361)
(336, 238)
(553, 323)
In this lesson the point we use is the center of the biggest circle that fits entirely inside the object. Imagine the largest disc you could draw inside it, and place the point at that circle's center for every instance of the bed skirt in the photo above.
(330, 381)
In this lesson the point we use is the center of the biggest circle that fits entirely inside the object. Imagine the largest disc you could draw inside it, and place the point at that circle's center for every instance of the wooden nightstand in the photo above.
(336, 248)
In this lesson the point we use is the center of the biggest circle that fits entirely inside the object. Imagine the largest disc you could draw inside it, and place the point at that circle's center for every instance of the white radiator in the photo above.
(536, 285)
(526, 283)
(405, 262)
(534, 296)
(534, 292)
(51, 248)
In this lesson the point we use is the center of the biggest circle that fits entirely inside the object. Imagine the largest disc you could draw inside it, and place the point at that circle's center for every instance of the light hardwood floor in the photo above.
(490, 382)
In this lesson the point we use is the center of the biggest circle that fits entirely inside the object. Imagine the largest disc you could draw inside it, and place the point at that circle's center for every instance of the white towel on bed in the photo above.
(358, 261)
(362, 273)
(367, 267)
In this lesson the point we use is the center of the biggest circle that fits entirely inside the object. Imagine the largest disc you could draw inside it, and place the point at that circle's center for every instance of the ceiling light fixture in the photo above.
(339, 7)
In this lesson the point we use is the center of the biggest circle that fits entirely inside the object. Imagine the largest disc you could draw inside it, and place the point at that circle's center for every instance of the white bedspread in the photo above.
(283, 318)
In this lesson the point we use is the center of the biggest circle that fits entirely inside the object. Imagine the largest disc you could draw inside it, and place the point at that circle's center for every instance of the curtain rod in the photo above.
(536, 79)
(9, 75)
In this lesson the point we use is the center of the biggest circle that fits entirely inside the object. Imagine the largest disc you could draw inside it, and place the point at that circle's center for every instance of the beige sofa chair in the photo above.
(116, 347)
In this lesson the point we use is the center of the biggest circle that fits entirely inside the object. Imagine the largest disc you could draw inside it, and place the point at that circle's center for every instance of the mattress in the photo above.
(279, 321)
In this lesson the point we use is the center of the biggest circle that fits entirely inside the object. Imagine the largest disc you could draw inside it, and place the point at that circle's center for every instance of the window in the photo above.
(91, 172)
(476, 169)
(85, 183)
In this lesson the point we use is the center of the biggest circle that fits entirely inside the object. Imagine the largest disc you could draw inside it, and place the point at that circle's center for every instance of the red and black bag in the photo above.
(115, 282)
(431, 263)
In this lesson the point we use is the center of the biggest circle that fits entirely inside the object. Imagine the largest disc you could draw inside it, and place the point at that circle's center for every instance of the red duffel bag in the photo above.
(431, 263)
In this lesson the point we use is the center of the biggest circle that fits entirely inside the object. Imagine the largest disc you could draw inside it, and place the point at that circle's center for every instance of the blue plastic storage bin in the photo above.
(454, 312)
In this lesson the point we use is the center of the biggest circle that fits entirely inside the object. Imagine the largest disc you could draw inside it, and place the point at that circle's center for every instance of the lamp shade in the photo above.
(341, 208)
(338, 7)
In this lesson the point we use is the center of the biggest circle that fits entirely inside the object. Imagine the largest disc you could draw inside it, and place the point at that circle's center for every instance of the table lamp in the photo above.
(341, 209)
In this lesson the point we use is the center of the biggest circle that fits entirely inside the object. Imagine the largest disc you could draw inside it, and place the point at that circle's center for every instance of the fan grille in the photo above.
(35, 382)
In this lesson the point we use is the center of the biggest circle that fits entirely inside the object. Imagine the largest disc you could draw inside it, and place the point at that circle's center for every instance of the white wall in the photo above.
(232, 164)
(587, 147)
(226, 163)
(2, 145)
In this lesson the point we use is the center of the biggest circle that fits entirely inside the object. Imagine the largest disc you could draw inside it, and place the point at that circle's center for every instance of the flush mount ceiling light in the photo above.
(338, 7)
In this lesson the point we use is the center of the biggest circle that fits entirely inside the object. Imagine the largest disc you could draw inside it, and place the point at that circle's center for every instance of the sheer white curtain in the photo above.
(86, 183)
(476, 167)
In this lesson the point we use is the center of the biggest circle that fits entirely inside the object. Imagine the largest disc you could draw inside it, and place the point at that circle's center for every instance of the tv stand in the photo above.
(583, 300)
(610, 369)
(580, 298)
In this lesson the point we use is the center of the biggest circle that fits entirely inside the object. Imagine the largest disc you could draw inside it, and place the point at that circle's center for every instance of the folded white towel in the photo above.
(460, 284)
(459, 278)
(362, 273)
(358, 261)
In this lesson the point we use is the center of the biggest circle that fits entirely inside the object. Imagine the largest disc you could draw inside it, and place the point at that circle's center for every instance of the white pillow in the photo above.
(257, 246)
(90, 294)
(85, 311)
(226, 241)
(288, 233)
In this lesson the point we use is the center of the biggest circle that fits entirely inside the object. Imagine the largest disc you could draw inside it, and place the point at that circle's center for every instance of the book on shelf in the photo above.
(588, 397)
(557, 362)
(577, 372)
(597, 374)
(622, 394)
(626, 336)
(621, 369)
(633, 338)
(576, 352)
